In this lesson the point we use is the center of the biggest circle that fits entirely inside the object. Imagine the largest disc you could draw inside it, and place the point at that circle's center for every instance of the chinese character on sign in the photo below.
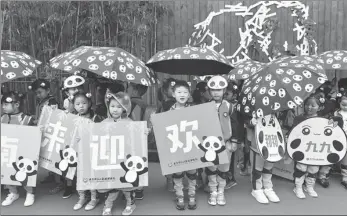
(190, 139)
(8, 150)
(54, 136)
(111, 149)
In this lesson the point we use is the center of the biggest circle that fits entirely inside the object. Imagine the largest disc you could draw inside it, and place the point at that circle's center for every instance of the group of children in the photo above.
(238, 134)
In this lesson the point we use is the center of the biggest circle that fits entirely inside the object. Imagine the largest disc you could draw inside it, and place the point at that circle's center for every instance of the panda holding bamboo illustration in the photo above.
(134, 166)
(212, 146)
(24, 168)
(68, 158)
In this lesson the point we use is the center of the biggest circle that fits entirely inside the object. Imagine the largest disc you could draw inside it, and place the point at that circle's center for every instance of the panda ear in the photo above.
(220, 138)
(128, 156)
(67, 146)
(144, 159)
(204, 137)
(20, 158)
(35, 162)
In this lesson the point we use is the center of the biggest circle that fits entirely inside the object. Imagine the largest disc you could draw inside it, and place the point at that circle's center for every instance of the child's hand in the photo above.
(254, 121)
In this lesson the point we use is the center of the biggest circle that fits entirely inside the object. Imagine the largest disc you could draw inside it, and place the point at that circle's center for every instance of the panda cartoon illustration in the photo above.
(212, 146)
(24, 168)
(68, 158)
(134, 166)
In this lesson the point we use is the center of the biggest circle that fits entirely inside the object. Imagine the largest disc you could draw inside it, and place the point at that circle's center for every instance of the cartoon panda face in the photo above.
(26, 165)
(106, 74)
(130, 76)
(249, 96)
(297, 78)
(102, 58)
(67, 68)
(93, 67)
(291, 104)
(294, 61)
(129, 65)
(113, 75)
(245, 76)
(123, 54)
(330, 61)
(91, 59)
(138, 69)
(297, 87)
(286, 80)
(244, 100)
(298, 100)
(194, 56)
(266, 100)
(312, 67)
(240, 71)
(212, 143)
(262, 90)
(279, 71)
(70, 155)
(276, 106)
(260, 113)
(268, 77)
(122, 68)
(307, 74)
(317, 141)
(344, 59)
(177, 56)
(253, 101)
(270, 138)
(15, 64)
(281, 93)
(10, 75)
(5, 65)
(258, 80)
(135, 163)
(247, 109)
(308, 87)
(247, 90)
(255, 88)
(299, 65)
(97, 52)
(76, 62)
(144, 82)
(272, 92)
(273, 83)
(336, 66)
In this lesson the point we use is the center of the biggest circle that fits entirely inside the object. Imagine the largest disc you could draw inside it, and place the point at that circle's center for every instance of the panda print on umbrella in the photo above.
(317, 141)
(281, 86)
(270, 140)
(334, 59)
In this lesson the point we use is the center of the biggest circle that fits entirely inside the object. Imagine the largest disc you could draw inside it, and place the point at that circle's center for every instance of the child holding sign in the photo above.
(302, 172)
(119, 107)
(262, 187)
(82, 106)
(11, 103)
(181, 93)
(342, 112)
(217, 175)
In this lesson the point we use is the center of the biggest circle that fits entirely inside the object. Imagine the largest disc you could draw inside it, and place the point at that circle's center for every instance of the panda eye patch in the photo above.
(66, 154)
(139, 166)
(130, 164)
(216, 145)
(207, 144)
(328, 132)
(21, 165)
(71, 158)
(306, 131)
(29, 168)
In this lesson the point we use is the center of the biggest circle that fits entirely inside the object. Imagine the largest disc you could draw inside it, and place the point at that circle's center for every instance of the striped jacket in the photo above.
(18, 119)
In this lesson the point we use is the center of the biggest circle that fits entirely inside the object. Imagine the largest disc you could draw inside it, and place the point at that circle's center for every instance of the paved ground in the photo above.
(331, 201)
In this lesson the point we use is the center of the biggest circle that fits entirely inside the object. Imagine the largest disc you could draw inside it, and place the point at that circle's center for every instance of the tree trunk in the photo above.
(32, 46)
(2, 13)
(77, 20)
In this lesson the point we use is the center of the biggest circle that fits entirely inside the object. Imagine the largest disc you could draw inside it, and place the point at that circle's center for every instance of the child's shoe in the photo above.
(221, 199)
(244, 171)
(80, 203)
(324, 182)
(170, 185)
(180, 203)
(67, 192)
(310, 182)
(344, 183)
(192, 203)
(56, 189)
(107, 210)
(29, 200)
(139, 194)
(213, 198)
(271, 195)
(299, 192)
(260, 196)
(11, 197)
(230, 183)
(129, 209)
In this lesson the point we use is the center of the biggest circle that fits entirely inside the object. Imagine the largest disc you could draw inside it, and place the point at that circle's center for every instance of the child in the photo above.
(342, 112)
(165, 103)
(306, 173)
(201, 94)
(41, 87)
(72, 85)
(138, 105)
(262, 187)
(217, 175)
(119, 106)
(82, 105)
(181, 93)
(11, 105)
(103, 89)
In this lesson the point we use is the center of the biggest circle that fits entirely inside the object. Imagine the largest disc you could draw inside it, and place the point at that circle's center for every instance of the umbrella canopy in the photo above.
(190, 61)
(16, 65)
(335, 59)
(245, 69)
(281, 85)
(109, 62)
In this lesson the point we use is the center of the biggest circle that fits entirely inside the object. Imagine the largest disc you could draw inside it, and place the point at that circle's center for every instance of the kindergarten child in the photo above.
(302, 172)
(119, 106)
(262, 187)
(72, 85)
(181, 93)
(342, 112)
(217, 175)
(11, 103)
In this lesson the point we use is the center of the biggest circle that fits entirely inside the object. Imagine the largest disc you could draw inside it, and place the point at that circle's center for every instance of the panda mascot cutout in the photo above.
(24, 168)
(134, 166)
(68, 158)
(212, 146)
